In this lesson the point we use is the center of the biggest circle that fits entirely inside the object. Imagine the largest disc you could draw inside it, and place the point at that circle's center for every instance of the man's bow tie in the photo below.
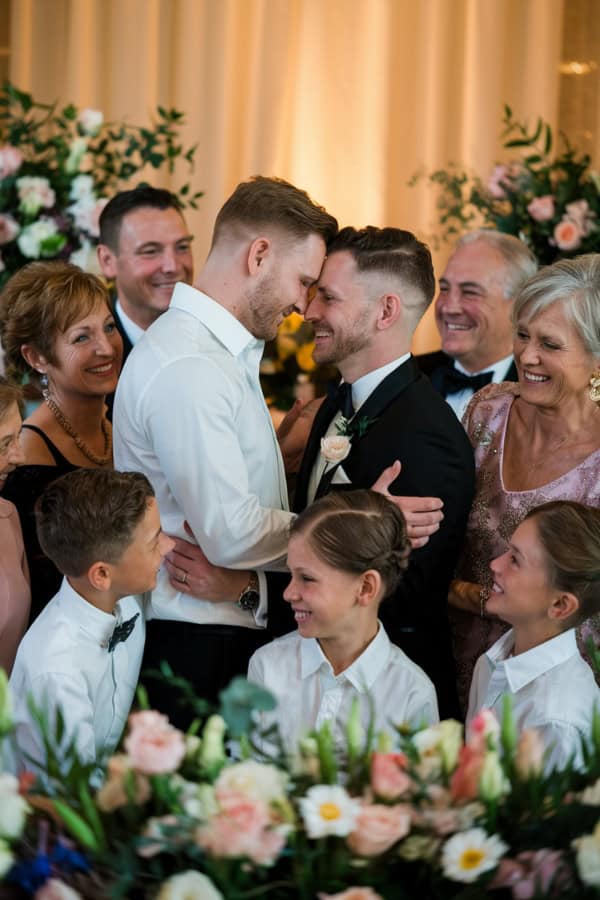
(122, 632)
(453, 381)
(342, 397)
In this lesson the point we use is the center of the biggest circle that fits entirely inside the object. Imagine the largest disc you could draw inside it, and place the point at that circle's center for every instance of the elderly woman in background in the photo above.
(57, 326)
(14, 575)
(534, 441)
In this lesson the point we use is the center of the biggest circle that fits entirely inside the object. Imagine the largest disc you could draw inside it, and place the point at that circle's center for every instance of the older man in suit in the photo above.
(373, 290)
(472, 312)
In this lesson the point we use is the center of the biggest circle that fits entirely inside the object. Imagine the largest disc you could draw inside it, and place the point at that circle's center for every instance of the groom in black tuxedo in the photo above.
(374, 288)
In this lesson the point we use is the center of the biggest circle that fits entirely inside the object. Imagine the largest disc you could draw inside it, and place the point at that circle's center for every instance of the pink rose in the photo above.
(579, 212)
(378, 828)
(153, 745)
(464, 784)
(388, 776)
(91, 121)
(86, 214)
(495, 182)
(539, 873)
(353, 893)
(54, 889)
(529, 759)
(241, 828)
(114, 791)
(567, 235)
(541, 209)
(10, 160)
(9, 229)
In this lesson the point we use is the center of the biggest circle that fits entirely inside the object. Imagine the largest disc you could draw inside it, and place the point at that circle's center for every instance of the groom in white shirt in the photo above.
(190, 414)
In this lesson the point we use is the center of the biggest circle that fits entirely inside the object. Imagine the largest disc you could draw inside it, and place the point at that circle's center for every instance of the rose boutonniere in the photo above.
(335, 448)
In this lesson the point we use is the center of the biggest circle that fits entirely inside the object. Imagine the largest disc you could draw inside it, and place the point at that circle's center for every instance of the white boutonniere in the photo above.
(336, 447)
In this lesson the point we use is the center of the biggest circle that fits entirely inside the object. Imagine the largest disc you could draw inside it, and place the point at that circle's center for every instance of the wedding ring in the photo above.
(183, 578)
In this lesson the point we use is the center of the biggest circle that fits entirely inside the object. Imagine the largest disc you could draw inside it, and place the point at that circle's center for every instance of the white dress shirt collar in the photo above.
(364, 386)
(364, 670)
(524, 668)
(131, 328)
(498, 370)
(95, 622)
(219, 321)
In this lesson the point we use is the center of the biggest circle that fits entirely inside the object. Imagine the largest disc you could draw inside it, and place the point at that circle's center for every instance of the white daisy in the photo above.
(328, 809)
(470, 853)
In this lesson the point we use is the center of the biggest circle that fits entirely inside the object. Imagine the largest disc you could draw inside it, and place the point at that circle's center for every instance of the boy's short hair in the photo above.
(89, 516)
(570, 536)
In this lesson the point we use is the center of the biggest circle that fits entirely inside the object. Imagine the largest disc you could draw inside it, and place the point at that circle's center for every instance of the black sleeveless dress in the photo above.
(23, 486)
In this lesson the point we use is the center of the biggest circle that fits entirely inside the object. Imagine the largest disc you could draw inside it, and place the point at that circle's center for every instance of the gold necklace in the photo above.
(68, 428)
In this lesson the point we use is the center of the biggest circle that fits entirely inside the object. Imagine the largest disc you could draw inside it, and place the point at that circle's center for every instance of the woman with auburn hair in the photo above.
(534, 441)
(14, 575)
(57, 328)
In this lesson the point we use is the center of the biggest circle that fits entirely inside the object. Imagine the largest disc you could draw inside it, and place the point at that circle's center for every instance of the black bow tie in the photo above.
(453, 381)
(122, 632)
(342, 397)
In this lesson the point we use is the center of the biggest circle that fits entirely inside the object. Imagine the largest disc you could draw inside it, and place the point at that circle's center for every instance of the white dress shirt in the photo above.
(362, 389)
(64, 662)
(460, 400)
(190, 414)
(131, 329)
(308, 693)
(552, 687)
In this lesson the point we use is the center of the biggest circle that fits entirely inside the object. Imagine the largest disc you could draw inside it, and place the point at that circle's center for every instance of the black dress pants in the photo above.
(207, 656)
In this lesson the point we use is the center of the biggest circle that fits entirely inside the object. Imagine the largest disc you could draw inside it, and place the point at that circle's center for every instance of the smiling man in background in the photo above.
(472, 313)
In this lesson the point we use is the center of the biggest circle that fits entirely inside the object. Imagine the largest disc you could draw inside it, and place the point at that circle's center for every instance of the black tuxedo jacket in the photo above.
(127, 348)
(414, 424)
(433, 365)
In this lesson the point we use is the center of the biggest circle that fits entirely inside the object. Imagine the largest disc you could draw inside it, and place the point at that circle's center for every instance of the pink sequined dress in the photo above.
(495, 514)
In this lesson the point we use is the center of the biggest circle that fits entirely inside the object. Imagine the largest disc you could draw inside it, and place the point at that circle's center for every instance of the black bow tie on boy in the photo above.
(342, 397)
(122, 632)
(454, 381)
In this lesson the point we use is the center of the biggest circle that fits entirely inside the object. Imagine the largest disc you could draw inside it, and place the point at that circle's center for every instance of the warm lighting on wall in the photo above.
(577, 67)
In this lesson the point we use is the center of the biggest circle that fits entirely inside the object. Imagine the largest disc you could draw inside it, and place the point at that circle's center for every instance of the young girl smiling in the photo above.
(346, 554)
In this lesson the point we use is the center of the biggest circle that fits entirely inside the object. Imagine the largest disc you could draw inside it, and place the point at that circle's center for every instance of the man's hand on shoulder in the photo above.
(192, 573)
(423, 514)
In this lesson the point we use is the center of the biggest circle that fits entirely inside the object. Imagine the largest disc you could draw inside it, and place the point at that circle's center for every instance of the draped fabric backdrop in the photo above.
(346, 98)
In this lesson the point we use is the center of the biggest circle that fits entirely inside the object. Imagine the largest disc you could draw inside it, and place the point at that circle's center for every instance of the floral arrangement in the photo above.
(383, 817)
(550, 202)
(58, 168)
(288, 371)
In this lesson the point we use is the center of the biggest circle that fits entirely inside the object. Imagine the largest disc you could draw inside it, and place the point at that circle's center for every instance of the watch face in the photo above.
(249, 600)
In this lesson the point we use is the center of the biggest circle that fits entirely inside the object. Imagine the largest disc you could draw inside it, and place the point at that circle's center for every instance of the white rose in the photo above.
(86, 258)
(31, 238)
(82, 187)
(6, 858)
(189, 886)
(13, 808)
(254, 780)
(588, 857)
(91, 121)
(34, 193)
(335, 448)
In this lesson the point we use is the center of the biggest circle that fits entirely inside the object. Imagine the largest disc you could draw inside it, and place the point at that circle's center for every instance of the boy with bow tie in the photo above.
(82, 655)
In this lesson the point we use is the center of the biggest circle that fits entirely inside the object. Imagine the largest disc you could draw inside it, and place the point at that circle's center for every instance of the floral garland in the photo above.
(58, 169)
(550, 202)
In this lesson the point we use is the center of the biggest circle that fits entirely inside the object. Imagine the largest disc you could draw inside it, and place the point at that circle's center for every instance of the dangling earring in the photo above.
(595, 386)
(44, 384)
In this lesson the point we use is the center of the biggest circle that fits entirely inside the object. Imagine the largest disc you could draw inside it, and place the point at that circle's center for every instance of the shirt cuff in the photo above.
(260, 613)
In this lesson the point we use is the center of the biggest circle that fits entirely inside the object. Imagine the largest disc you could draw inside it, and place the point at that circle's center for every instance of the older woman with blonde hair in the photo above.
(57, 328)
(534, 441)
(14, 575)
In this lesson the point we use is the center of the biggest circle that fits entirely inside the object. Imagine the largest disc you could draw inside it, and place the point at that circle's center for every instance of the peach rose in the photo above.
(541, 209)
(113, 792)
(153, 745)
(335, 448)
(11, 160)
(567, 235)
(241, 828)
(464, 784)
(529, 759)
(388, 776)
(378, 828)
